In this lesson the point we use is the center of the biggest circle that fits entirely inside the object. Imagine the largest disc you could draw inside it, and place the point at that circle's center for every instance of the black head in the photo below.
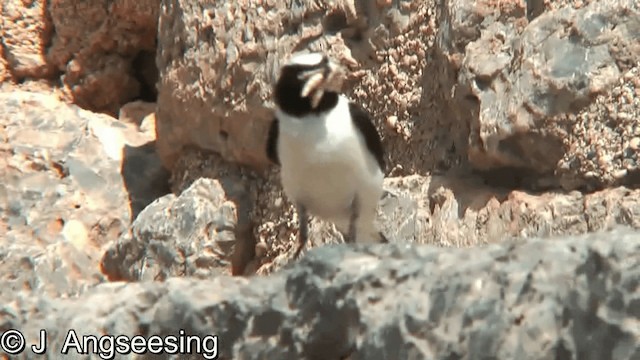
(307, 83)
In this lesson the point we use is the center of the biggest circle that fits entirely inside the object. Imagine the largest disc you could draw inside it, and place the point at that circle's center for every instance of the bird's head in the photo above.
(307, 80)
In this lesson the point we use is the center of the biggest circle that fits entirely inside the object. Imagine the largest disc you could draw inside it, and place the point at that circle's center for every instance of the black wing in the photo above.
(362, 121)
(272, 142)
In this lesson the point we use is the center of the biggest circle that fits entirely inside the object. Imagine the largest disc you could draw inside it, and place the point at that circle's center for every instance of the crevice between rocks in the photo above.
(146, 72)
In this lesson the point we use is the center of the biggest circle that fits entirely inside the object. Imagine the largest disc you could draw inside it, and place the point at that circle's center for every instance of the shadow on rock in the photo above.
(145, 179)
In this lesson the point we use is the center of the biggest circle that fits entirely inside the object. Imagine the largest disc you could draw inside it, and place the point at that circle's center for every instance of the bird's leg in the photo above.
(303, 229)
(353, 219)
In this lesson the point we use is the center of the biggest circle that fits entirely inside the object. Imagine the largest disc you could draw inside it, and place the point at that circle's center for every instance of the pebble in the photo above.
(392, 122)
(76, 233)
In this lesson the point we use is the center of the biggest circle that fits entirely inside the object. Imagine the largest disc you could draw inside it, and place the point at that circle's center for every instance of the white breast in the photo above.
(325, 163)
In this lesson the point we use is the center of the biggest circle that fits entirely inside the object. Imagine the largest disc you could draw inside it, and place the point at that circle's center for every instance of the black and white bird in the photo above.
(330, 154)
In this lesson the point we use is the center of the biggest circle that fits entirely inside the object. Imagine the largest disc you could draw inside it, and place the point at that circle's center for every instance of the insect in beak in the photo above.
(326, 77)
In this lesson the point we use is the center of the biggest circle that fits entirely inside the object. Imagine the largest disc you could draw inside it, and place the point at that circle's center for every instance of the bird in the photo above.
(330, 154)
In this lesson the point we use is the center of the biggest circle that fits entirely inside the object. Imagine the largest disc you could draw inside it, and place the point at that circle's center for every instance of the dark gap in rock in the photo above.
(472, 98)
(632, 179)
(510, 177)
(144, 176)
(224, 135)
(334, 22)
(483, 83)
(534, 9)
(146, 72)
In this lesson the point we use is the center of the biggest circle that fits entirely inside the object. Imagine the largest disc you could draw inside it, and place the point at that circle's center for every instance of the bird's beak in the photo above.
(328, 77)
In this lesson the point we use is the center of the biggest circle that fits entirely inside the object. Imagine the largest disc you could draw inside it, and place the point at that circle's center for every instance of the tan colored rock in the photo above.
(218, 62)
(101, 82)
(26, 31)
(98, 49)
(5, 73)
(76, 233)
(135, 112)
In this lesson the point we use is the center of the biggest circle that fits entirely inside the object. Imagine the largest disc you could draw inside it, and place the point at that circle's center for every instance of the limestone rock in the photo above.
(453, 211)
(5, 73)
(188, 235)
(26, 32)
(67, 189)
(218, 62)
(574, 297)
(456, 211)
(541, 88)
(98, 50)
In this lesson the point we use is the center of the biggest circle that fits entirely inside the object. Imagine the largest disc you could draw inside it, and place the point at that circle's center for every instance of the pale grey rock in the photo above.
(535, 88)
(192, 234)
(451, 210)
(571, 298)
(66, 190)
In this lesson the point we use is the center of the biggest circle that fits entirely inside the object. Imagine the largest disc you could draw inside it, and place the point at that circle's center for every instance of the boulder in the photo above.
(193, 234)
(101, 51)
(573, 297)
(546, 93)
(27, 30)
(218, 62)
(67, 189)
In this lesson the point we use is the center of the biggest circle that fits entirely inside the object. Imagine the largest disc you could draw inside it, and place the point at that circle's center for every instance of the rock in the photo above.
(5, 73)
(453, 210)
(207, 229)
(136, 112)
(536, 84)
(97, 46)
(99, 51)
(68, 188)
(26, 33)
(218, 61)
(574, 297)
(188, 235)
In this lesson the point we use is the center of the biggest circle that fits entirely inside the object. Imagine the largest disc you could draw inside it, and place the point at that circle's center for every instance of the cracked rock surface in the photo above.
(576, 297)
(190, 235)
(67, 189)
(100, 52)
(512, 139)
(546, 94)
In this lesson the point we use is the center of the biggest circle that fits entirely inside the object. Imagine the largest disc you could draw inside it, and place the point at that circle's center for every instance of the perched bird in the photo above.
(330, 154)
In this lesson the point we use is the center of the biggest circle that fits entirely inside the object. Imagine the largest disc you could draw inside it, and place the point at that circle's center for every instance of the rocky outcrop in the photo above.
(26, 33)
(477, 85)
(547, 93)
(482, 106)
(102, 52)
(193, 234)
(218, 61)
(454, 211)
(537, 299)
(68, 187)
